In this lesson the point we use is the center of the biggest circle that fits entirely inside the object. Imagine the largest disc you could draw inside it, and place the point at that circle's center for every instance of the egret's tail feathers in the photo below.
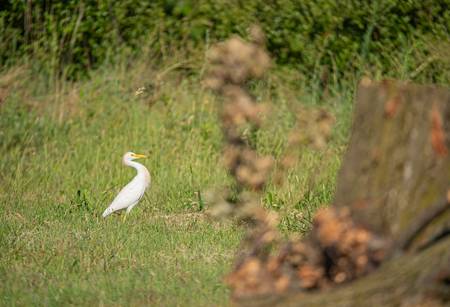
(107, 212)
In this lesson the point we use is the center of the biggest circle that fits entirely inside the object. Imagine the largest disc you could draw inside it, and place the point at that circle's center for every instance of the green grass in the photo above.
(60, 166)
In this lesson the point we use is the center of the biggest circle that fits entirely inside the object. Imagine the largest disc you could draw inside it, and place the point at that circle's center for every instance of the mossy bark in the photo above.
(394, 168)
(395, 171)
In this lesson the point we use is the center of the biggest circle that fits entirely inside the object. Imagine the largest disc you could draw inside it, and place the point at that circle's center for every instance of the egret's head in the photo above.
(130, 156)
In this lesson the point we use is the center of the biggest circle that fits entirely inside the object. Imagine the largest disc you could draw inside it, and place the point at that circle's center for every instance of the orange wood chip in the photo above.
(437, 133)
(391, 106)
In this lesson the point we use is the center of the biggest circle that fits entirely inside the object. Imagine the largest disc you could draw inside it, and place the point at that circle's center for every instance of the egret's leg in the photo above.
(127, 212)
(130, 207)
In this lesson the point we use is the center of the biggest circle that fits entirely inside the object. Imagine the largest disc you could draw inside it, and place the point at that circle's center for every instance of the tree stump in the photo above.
(395, 179)
(397, 164)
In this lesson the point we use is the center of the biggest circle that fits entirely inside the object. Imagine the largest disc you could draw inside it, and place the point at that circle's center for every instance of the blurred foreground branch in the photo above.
(385, 241)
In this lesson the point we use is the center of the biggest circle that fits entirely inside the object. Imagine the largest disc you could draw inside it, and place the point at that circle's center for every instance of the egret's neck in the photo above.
(139, 167)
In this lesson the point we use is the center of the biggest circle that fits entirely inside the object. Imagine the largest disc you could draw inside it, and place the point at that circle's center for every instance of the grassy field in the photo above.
(61, 146)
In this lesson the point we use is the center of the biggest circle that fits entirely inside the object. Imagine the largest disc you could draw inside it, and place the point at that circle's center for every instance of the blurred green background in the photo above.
(341, 36)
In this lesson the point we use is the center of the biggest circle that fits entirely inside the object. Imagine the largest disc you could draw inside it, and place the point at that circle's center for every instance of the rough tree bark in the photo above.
(395, 178)
(397, 162)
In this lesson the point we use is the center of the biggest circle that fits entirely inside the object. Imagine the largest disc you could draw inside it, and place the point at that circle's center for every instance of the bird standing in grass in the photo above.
(130, 195)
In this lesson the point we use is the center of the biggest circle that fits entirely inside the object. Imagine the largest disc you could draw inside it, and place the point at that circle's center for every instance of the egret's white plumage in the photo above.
(130, 195)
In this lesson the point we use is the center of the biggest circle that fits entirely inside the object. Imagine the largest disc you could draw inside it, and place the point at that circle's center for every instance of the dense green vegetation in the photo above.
(341, 37)
(68, 111)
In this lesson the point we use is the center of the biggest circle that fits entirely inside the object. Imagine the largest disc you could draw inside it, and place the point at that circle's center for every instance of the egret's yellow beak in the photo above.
(138, 156)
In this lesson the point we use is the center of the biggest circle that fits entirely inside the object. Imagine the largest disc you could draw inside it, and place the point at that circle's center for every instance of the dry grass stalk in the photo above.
(233, 63)
(9, 81)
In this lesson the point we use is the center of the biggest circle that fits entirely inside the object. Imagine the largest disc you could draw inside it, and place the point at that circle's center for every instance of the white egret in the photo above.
(130, 195)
